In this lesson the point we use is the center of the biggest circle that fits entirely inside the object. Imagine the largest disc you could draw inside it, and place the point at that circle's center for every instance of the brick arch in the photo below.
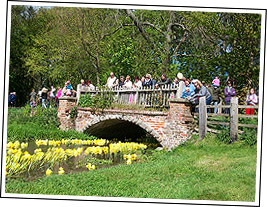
(169, 128)
(127, 118)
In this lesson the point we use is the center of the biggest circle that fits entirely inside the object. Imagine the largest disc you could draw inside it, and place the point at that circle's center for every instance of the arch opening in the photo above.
(121, 130)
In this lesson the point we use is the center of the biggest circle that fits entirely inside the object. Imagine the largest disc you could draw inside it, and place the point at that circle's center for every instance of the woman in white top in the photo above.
(112, 81)
(137, 83)
(128, 83)
(90, 85)
(252, 100)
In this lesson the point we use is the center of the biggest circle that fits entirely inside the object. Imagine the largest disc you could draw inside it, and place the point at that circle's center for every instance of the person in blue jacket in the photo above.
(12, 99)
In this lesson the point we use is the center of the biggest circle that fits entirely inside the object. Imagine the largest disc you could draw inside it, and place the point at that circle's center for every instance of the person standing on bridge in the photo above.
(83, 84)
(164, 81)
(190, 85)
(112, 81)
(175, 83)
(148, 81)
(128, 83)
(90, 85)
(33, 98)
(216, 93)
(53, 92)
(121, 81)
(154, 82)
(137, 83)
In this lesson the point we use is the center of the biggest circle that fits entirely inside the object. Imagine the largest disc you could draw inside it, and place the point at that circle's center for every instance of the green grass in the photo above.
(206, 170)
(43, 125)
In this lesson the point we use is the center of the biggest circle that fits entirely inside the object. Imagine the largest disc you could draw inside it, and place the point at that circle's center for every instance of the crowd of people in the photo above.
(193, 90)
(48, 97)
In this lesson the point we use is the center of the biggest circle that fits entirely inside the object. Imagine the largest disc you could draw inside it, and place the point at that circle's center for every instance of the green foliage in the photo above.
(97, 102)
(50, 45)
(73, 112)
(224, 136)
(249, 136)
(26, 125)
(40, 116)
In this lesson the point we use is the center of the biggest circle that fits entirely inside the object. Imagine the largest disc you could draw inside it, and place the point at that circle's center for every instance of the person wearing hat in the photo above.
(229, 92)
(180, 76)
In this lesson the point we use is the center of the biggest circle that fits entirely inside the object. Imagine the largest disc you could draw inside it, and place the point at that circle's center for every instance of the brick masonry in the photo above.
(169, 128)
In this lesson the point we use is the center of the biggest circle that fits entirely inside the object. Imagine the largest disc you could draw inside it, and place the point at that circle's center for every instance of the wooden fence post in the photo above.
(234, 118)
(202, 117)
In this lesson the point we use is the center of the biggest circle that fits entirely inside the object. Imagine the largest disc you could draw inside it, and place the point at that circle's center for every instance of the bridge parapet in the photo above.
(147, 97)
(170, 128)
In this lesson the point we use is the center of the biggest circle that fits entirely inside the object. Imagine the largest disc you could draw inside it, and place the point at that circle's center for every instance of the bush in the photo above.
(224, 136)
(249, 137)
(98, 101)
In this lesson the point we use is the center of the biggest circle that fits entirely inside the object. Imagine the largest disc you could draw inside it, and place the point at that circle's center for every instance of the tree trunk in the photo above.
(166, 61)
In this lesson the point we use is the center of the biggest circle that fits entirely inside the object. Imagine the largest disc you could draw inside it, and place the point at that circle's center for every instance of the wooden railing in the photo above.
(147, 97)
(233, 114)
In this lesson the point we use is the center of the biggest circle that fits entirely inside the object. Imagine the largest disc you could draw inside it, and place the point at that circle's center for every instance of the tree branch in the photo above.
(180, 43)
(117, 29)
(155, 27)
(138, 24)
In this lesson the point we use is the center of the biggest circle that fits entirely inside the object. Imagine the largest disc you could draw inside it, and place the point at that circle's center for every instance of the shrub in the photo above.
(249, 137)
(98, 101)
(224, 136)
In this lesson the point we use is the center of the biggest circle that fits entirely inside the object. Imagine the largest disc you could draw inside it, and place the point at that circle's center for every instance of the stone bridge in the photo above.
(169, 128)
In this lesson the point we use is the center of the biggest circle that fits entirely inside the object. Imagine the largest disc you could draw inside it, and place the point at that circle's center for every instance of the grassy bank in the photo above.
(25, 125)
(207, 170)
